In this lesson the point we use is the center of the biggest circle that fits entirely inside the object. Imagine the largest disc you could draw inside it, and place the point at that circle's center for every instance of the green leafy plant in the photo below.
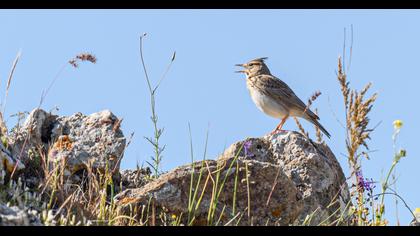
(155, 140)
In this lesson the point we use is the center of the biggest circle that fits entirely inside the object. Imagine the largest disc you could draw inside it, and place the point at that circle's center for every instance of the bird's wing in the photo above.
(279, 89)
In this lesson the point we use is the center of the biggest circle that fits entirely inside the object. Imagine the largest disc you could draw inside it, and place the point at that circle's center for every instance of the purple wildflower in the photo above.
(247, 146)
(369, 185)
(364, 183)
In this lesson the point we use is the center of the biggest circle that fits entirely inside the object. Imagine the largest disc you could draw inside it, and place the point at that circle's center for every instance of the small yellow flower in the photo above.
(398, 124)
(173, 216)
(417, 211)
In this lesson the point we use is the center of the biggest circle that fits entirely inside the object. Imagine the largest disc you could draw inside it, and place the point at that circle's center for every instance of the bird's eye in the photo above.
(251, 64)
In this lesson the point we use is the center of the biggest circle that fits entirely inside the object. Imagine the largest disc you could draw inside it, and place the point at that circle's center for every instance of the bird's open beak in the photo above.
(240, 71)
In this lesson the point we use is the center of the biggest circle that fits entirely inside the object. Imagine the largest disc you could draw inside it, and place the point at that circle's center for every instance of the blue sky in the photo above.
(202, 88)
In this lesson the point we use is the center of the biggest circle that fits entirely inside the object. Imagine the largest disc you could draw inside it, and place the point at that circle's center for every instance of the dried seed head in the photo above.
(86, 57)
(82, 57)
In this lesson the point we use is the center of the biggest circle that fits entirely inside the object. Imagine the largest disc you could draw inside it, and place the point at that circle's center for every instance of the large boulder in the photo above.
(45, 141)
(94, 140)
(313, 169)
(79, 141)
(273, 180)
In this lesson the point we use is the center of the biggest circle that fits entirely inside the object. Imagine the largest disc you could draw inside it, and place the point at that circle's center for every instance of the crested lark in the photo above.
(274, 97)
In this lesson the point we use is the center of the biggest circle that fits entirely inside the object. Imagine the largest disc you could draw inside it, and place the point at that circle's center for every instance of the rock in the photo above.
(31, 138)
(283, 178)
(8, 163)
(13, 216)
(95, 140)
(135, 178)
(171, 191)
(311, 166)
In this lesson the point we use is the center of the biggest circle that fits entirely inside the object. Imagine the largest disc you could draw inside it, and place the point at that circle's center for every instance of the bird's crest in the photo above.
(261, 59)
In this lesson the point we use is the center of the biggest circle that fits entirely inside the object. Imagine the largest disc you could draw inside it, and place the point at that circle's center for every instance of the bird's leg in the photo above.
(280, 125)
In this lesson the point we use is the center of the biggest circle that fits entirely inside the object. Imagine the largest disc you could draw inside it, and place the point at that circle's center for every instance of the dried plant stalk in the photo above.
(357, 109)
(357, 120)
(302, 130)
(314, 96)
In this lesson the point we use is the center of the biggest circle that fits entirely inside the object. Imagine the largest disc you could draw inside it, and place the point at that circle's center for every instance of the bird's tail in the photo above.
(315, 122)
(313, 118)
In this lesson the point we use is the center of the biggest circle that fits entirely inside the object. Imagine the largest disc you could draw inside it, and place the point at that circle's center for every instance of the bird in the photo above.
(274, 97)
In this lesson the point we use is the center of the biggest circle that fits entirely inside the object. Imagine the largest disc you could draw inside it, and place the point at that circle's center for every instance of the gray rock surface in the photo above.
(311, 166)
(34, 133)
(82, 140)
(13, 216)
(95, 140)
(135, 178)
(302, 178)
